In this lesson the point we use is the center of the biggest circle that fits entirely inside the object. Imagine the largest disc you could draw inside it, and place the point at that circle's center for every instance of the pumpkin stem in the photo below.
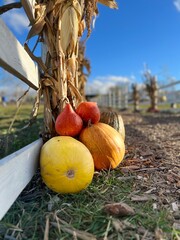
(89, 123)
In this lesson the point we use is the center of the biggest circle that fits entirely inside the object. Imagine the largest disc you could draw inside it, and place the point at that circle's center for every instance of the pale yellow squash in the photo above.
(66, 165)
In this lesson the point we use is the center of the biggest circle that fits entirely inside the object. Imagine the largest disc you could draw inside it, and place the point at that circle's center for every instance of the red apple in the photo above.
(88, 111)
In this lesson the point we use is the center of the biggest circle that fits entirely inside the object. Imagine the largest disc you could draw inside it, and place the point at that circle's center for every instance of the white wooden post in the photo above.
(126, 96)
(109, 98)
(105, 103)
(114, 97)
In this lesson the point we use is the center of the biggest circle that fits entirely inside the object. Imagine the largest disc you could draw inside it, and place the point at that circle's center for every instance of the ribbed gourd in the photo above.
(115, 120)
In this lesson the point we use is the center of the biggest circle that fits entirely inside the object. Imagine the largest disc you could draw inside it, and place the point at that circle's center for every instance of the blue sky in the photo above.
(140, 32)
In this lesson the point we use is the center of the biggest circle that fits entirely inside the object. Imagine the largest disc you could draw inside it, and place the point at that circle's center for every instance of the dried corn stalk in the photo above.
(60, 24)
(136, 97)
(83, 63)
(151, 87)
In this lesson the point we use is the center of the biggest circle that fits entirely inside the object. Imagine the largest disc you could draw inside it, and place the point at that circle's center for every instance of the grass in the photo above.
(161, 106)
(38, 208)
(84, 211)
(15, 137)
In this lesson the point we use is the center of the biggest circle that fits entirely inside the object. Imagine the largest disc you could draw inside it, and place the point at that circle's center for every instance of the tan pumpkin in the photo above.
(66, 165)
(114, 120)
(105, 144)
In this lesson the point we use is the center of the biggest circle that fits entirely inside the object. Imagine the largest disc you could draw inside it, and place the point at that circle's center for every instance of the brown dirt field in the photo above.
(153, 153)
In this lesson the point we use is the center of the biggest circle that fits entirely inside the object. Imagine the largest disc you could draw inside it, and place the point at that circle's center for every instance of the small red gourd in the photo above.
(68, 122)
(105, 144)
(88, 111)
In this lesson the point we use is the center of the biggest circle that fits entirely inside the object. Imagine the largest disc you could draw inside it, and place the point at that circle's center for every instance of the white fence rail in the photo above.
(17, 169)
(14, 59)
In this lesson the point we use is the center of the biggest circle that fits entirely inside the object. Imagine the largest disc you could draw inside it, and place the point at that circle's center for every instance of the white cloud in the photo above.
(9, 1)
(17, 20)
(101, 84)
(113, 78)
(177, 4)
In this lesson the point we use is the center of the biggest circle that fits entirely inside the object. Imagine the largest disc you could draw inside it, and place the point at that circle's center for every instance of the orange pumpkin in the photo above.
(105, 144)
(66, 165)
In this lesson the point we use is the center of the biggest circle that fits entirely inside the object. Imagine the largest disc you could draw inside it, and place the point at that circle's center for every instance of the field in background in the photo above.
(162, 107)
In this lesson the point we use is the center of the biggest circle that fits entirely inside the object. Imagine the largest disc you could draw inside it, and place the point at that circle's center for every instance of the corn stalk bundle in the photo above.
(136, 97)
(151, 86)
(60, 25)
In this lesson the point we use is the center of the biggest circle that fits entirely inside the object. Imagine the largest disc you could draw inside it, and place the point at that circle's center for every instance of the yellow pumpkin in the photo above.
(105, 144)
(66, 165)
(114, 120)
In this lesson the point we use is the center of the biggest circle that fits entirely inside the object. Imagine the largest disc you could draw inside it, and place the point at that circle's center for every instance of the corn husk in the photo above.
(84, 64)
(109, 3)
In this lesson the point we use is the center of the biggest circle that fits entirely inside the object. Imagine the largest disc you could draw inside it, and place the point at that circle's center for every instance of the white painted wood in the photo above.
(28, 6)
(14, 59)
(16, 171)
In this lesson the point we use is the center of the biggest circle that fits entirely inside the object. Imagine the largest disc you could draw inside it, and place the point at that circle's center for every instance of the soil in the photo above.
(153, 153)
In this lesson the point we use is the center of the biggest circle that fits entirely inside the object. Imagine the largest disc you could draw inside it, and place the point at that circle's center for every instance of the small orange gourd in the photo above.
(105, 144)
(66, 165)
